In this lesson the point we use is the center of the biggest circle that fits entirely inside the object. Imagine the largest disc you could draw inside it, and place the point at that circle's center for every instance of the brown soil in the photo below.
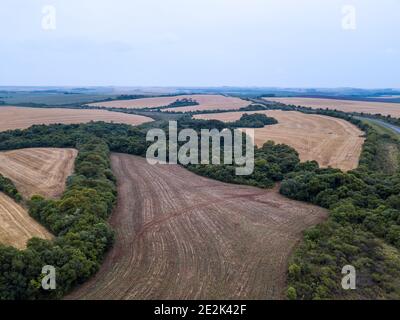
(181, 236)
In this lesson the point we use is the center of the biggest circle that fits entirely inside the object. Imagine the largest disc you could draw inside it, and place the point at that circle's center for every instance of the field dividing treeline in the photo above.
(332, 142)
(16, 226)
(78, 221)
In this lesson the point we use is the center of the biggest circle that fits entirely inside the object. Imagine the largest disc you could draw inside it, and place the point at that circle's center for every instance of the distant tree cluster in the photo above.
(184, 102)
(255, 120)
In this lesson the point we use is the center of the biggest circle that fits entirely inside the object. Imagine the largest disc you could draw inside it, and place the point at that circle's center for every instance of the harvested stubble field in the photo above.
(206, 102)
(16, 226)
(181, 236)
(329, 141)
(41, 171)
(12, 118)
(392, 109)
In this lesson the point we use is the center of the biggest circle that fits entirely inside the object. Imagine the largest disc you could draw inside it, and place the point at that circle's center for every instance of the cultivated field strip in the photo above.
(181, 236)
(12, 118)
(206, 102)
(332, 142)
(383, 108)
(16, 226)
(41, 171)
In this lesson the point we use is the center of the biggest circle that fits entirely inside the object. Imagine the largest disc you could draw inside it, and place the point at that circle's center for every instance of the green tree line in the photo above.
(78, 220)
(8, 187)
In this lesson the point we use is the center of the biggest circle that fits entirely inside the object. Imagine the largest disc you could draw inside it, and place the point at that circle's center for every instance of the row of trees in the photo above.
(271, 163)
(363, 229)
(184, 102)
(8, 187)
(78, 220)
(255, 120)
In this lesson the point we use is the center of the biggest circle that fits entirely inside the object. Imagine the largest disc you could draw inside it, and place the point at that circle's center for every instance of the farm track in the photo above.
(41, 171)
(181, 236)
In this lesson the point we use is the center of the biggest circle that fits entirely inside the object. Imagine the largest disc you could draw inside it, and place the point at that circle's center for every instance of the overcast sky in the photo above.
(287, 43)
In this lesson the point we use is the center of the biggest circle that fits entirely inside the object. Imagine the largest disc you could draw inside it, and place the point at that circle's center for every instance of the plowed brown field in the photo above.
(392, 109)
(16, 226)
(12, 118)
(206, 102)
(181, 236)
(41, 171)
(329, 141)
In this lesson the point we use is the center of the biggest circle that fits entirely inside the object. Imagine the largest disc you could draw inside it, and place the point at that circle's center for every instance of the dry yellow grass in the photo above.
(21, 118)
(330, 141)
(206, 102)
(16, 226)
(392, 109)
(41, 171)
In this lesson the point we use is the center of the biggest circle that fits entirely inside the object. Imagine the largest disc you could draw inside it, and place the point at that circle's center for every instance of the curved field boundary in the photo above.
(181, 236)
(16, 226)
(332, 142)
(384, 108)
(12, 118)
(206, 102)
(41, 171)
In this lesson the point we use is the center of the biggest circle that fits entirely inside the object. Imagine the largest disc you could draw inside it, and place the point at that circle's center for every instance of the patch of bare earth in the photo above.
(41, 171)
(16, 226)
(181, 236)
(330, 141)
(385, 108)
(12, 118)
(206, 102)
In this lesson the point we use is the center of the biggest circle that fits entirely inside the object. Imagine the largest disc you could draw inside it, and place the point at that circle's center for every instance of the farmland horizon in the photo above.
(114, 86)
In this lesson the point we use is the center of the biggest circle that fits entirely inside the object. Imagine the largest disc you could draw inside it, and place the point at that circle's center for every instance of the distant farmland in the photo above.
(392, 109)
(41, 171)
(12, 118)
(206, 102)
(330, 141)
(182, 236)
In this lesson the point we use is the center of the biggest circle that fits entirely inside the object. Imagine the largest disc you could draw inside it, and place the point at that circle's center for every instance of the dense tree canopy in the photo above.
(8, 187)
